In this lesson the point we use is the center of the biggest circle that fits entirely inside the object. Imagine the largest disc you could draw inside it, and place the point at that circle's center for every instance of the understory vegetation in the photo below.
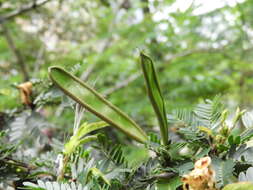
(222, 151)
(126, 95)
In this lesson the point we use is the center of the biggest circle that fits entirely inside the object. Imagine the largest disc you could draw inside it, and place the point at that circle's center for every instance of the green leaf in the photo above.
(246, 135)
(155, 95)
(239, 186)
(95, 103)
(209, 113)
(52, 185)
(234, 140)
(224, 171)
(112, 151)
(237, 140)
(32, 186)
(247, 119)
(171, 184)
(74, 142)
(87, 139)
(97, 173)
(86, 128)
(231, 140)
(78, 137)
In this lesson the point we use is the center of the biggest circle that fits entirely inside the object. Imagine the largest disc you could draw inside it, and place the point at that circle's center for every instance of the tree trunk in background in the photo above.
(19, 58)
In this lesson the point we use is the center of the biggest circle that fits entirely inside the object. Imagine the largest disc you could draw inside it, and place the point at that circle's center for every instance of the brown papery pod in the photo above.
(202, 177)
(25, 93)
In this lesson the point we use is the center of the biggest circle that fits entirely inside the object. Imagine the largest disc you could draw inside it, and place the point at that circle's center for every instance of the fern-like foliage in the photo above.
(224, 171)
(85, 174)
(8, 166)
(188, 121)
(111, 151)
(206, 114)
(54, 186)
(5, 150)
(27, 125)
(143, 176)
(182, 117)
(209, 113)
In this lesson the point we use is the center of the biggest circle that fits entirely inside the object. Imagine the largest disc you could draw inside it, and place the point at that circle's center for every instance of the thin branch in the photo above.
(22, 10)
(87, 73)
(122, 84)
(16, 52)
(91, 68)
(170, 58)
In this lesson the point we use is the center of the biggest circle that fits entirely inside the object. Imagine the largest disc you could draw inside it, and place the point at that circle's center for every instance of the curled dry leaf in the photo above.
(25, 93)
(202, 177)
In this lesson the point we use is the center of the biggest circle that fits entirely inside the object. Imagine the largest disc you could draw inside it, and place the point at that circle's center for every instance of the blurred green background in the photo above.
(200, 48)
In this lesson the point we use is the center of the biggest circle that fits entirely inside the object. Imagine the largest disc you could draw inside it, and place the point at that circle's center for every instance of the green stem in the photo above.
(62, 172)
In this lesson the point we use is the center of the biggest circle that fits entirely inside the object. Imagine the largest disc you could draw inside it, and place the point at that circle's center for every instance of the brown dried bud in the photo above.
(25, 93)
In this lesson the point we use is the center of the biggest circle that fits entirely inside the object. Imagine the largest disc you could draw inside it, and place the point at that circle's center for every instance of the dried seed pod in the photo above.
(25, 93)
(202, 177)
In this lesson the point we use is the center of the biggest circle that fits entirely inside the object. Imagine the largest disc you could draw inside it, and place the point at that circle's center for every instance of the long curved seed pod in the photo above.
(95, 103)
(155, 95)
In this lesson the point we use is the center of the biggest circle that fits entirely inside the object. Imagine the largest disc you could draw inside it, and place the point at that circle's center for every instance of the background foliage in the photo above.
(198, 53)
